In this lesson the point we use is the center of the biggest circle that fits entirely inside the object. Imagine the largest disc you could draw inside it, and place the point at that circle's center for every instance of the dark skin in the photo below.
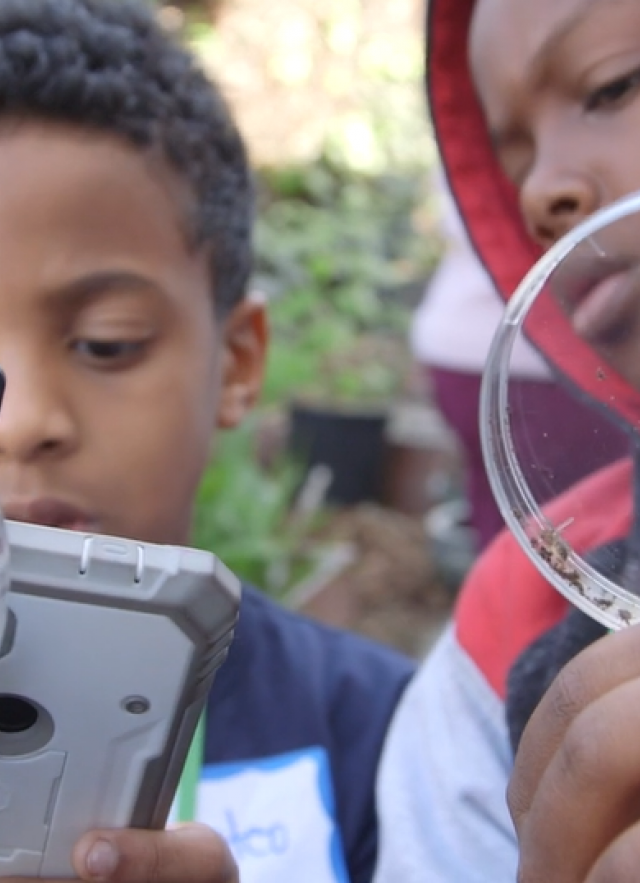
(560, 99)
(559, 83)
(192, 853)
(573, 793)
(119, 373)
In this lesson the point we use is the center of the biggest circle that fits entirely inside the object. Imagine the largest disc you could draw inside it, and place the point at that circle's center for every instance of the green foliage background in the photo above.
(330, 99)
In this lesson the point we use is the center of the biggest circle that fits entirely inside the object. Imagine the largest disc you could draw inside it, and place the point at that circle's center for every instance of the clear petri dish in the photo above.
(580, 304)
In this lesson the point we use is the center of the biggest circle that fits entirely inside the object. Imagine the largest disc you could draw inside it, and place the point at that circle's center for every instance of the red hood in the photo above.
(488, 204)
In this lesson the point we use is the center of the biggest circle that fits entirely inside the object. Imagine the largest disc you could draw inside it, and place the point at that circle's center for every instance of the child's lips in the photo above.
(605, 306)
(49, 512)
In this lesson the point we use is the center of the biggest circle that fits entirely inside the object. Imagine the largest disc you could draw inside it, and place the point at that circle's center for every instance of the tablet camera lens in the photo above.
(17, 715)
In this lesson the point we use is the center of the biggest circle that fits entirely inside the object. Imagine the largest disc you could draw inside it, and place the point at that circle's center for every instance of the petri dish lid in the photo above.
(561, 450)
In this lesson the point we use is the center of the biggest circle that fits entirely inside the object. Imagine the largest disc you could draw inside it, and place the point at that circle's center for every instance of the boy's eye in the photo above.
(108, 350)
(611, 94)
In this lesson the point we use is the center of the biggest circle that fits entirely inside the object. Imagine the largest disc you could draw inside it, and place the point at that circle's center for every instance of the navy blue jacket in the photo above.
(290, 683)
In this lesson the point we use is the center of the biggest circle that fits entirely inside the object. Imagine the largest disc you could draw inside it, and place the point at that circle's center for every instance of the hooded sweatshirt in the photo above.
(449, 753)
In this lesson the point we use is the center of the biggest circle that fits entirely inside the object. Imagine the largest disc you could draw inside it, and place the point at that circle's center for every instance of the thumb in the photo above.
(190, 853)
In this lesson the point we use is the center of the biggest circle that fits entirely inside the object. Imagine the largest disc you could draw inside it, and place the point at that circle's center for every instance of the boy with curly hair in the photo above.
(127, 341)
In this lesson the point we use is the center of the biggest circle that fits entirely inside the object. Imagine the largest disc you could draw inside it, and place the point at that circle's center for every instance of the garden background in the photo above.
(335, 495)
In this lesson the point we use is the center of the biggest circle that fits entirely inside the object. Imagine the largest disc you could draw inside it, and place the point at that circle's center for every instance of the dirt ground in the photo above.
(390, 590)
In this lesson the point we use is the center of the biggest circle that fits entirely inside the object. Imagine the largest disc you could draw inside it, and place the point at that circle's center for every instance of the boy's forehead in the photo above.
(519, 32)
(75, 204)
(511, 43)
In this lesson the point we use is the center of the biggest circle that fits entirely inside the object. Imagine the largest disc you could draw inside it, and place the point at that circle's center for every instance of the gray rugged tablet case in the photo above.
(109, 652)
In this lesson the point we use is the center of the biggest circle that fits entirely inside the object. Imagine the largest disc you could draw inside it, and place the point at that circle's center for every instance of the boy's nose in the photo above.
(34, 421)
(553, 202)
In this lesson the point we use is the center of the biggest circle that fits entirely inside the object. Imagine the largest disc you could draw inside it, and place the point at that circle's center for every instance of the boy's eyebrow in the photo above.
(565, 28)
(101, 282)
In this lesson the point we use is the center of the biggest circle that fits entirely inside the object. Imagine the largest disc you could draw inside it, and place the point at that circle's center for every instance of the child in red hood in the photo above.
(536, 106)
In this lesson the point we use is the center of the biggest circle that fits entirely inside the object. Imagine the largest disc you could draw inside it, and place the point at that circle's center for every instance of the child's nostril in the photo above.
(566, 205)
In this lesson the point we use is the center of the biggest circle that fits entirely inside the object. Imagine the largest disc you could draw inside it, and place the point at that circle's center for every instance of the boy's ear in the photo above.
(245, 337)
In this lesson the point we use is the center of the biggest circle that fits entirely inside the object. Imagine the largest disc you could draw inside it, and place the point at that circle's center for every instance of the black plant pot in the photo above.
(350, 443)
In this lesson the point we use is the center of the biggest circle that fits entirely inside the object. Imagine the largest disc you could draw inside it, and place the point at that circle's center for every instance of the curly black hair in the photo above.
(108, 65)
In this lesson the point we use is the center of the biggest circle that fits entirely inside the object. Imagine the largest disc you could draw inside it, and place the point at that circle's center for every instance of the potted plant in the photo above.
(337, 259)
(339, 420)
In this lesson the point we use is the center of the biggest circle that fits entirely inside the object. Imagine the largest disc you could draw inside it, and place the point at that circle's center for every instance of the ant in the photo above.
(550, 544)
(625, 616)
(553, 549)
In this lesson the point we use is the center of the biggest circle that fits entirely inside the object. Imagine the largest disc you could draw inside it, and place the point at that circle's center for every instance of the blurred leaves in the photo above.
(341, 258)
(330, 97)
(243, 515)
